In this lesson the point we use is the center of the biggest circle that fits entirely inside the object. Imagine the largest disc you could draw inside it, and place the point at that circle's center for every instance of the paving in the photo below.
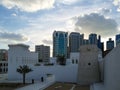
(67, 86)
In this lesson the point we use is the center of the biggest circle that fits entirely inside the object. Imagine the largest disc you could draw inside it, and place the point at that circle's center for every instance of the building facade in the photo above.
(93, 38)
(3, 66)
(43, 53)
(74, 41)
(88, 68)
(3, 61)
(19, 54)
(110, 44)
(3, 55)
(117, 39)
(60, 41)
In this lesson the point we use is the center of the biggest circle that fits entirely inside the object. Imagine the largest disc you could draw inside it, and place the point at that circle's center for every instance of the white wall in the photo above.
(20, 55)
(74, 57)
(66, 73)
(111, 71)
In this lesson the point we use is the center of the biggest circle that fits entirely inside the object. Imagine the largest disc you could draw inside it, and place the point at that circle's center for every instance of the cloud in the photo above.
(48, 42)
(6, 36)
(117, 3)
(68, 2)
(105, 11)
(28, 5)
(95, 23)
(14, 14)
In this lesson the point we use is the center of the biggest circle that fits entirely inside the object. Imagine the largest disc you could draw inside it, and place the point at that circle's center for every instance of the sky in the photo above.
(33, 22)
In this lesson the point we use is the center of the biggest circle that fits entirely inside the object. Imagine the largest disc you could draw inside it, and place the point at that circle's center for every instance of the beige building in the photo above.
(88, 67)
(43, 53)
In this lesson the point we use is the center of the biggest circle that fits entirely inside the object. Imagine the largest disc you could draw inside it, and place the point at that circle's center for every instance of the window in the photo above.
(76, 61)
(0, 70)
(56, 34)
(89, 63)
(72, 61)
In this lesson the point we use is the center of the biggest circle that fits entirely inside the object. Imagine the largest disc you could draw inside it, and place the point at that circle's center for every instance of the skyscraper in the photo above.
(74, 42)
(117, 38)
(43, 53)
(100, 44)
(93, 38)
(110, 44)
(60, 42)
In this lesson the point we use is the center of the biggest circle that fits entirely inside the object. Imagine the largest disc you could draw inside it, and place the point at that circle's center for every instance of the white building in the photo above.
(3, 66)
(19, 54)
(111, 72)
(74, 57)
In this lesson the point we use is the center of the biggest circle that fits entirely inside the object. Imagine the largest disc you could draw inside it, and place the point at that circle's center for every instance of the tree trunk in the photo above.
(23, 78)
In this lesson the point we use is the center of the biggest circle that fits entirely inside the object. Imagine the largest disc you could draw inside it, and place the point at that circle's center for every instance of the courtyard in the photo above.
(67, 86)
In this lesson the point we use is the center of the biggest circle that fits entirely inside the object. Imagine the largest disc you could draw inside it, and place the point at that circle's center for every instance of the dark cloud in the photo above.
(12, 36)
(49, 42)
(95, 23)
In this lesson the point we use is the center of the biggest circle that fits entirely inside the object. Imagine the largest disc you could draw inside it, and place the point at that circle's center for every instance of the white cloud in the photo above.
(14, 14)
(49, 42)
(95, 23)
(28, 5)
(67, 1)
(116, 2)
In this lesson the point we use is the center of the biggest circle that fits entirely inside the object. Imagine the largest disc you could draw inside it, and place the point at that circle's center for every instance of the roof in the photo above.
(23, 45)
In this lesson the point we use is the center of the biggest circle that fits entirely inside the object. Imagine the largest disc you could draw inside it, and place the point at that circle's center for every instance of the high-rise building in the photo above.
(74, 41)
(60, 41)
(117, 38)
(110, 44)
(81, 39)
(100, 44)
(43, 53)
(93, 38)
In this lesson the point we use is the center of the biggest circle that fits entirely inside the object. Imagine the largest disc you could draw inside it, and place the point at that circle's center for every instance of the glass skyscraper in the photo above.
(93, 38)
(117, 38)
(60, 42)
(74, 42)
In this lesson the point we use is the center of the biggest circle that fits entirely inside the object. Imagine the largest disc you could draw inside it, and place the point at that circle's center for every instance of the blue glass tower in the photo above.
(117, 39)
(60, 42)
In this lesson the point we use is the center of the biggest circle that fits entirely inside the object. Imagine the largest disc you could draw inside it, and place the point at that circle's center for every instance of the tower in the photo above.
(93, 38)
(60, 42)
(117, 38)
(74, 42)
(88, 71)
(110, 44)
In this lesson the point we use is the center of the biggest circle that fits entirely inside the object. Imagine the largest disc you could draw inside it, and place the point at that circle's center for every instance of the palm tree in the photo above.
(61, 59)
(24, 70)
